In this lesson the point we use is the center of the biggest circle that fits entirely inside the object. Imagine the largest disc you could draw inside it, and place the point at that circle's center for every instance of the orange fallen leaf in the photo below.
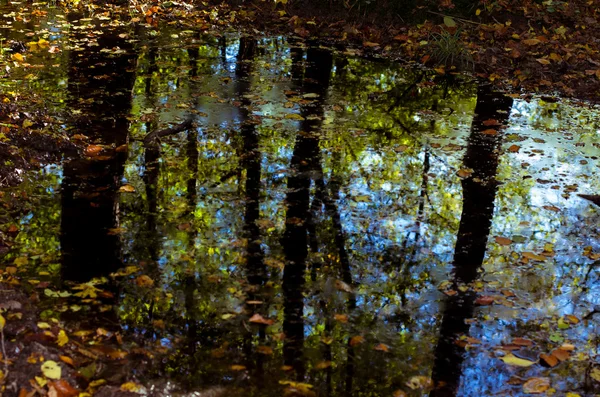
(484, 300)
(382, 348)
(63, 388)
(549, 360)
(356, 340)
(342, 318)
(93, 150)
(258, 319)
(560, 354)
(503, 240)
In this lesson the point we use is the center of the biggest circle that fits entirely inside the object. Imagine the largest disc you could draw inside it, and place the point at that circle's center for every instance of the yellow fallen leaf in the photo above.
(62, 338)
(51, 369)
(132, 387)
(294, 116)
(511, 359)
(17, 57)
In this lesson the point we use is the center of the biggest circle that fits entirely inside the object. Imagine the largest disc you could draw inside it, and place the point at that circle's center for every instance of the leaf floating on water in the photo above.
(484, 300)
(534, 256)
(503, 240)
(420, 383)
(144, 281)
(342, 286)
(356, 340)
(93, 150)
(522, 342)
(51, 369)
(536, 385)
(237, 367)
(258, 319)
(294, 116)
(560, 354)
(549, 360)
(342, 318)
(127, 189)
(382, 348)
(595, 374)
(514, 148)
(511, 359)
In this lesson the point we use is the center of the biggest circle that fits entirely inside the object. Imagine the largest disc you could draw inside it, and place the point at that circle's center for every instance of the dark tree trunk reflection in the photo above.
(305, 163)
(479, 193)
(99, 87)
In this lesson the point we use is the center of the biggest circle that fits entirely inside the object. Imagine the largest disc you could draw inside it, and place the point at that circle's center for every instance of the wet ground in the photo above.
(313, 223)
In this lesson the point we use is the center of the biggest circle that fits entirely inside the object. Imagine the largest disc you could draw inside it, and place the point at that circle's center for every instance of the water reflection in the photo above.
(321, 225)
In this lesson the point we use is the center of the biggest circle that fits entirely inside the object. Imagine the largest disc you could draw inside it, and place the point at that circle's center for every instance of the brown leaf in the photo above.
(144, 281)
(323, 365)
(382, 348)
(549, 360)
(484, 300)
(560, 354)
(356, 340)
(490, 131)
(503, 240)
(514, 148)
(342, 318)
(490, 122)
(522, 342)
(536, 385)
(533, 256)
(258, 319)
(266, 350)
(93, 150)
(63, 388)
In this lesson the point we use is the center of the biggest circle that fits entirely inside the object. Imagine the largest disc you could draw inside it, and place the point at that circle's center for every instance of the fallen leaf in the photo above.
(62, 338)
(536, 385)
(533, 256)
(503, 240)
(549, 360)
(356, 340)
(560, 354)
(51, 369)
(127, 189)
(420, 382)
(93, 150)
(63, 388)
(258, 319)
(342, 318)
(144, 281)
(484, 300)
(382, 348)
(511, 359)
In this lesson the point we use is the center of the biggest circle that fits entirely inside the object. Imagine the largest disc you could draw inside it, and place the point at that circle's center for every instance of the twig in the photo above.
(4, 358)
(152, 138)
(457, 18)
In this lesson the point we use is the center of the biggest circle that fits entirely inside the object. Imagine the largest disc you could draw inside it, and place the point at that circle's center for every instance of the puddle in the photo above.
(327, 226)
